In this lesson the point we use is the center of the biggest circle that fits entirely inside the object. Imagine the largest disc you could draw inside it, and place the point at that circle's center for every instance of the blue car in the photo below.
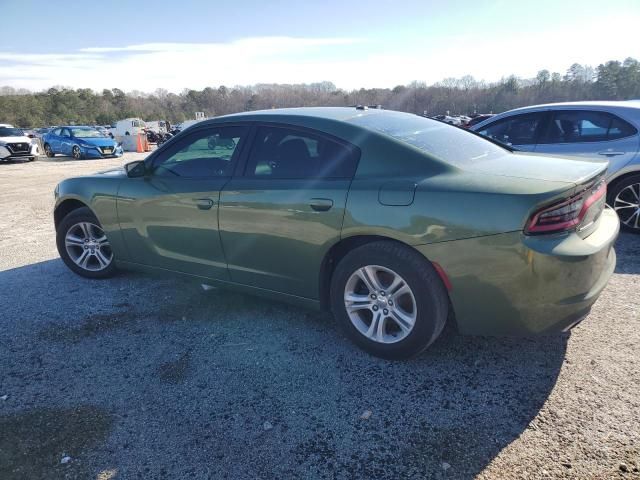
(80, 142)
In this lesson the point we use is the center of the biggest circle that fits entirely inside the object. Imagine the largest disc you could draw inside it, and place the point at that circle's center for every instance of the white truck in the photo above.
(127, 127)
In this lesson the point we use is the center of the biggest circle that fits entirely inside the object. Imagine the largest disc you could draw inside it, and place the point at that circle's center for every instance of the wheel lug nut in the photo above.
(385, 311)
(382, 293)
(375, 308)
(390, 302)
(373, 295)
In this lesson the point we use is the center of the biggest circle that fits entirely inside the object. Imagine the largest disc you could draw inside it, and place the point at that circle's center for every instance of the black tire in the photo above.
(76, 152)
(626, 214)
(74, 217)
(432, 302)
(48, 152)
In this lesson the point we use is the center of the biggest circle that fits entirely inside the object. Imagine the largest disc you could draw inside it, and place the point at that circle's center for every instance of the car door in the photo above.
(66, 142)
(520, 131)
(169, 217)
(54, 140)
(594, 135)
(280, 216)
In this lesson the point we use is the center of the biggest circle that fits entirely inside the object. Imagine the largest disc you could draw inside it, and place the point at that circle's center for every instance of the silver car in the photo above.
(595, 130)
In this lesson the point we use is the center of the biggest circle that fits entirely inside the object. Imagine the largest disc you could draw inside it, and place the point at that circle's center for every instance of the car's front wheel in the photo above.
(48, 151)
(389, 299)
(76, 152)
(83, 245)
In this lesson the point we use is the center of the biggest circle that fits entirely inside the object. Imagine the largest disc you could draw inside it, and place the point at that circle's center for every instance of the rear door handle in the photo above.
(608, 153)
(321, 204)
(204, 203)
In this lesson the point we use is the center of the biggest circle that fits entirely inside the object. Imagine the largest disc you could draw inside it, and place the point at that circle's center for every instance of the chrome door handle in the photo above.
(321, 204)
(608, 153)
(204, 203)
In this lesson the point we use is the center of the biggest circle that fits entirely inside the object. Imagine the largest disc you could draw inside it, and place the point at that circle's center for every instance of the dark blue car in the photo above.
(80, 142)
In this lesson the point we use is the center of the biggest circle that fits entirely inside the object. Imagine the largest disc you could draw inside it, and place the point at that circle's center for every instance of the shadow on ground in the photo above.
(221, 385)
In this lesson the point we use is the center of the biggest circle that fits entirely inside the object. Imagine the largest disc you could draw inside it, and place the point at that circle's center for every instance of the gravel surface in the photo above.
(140, 377)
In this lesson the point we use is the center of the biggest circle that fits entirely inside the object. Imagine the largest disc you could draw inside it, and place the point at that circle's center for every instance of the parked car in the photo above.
(80, 142)
(591, 130)
(448, 119)
(16, 145)
(478, 118)
(393, 221)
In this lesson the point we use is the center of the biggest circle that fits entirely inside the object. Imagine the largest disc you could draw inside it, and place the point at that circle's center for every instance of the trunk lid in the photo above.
(540, 167)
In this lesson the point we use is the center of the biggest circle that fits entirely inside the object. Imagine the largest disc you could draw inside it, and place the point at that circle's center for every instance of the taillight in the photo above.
(585, 208)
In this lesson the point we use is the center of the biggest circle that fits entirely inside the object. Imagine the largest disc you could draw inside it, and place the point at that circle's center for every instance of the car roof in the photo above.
(598, 103)
(343, 114)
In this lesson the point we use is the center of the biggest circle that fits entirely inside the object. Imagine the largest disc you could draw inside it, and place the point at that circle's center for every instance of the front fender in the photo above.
(99, 194)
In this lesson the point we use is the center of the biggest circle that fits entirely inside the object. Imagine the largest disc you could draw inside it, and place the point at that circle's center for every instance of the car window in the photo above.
(281, 152)
(580, 126)
(57, 131)
(10, 132)
(514, 130)
(445, 142)
(65, 132)
(208, 152)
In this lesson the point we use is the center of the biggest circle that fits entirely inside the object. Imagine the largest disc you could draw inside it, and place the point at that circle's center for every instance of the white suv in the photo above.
(15, 145)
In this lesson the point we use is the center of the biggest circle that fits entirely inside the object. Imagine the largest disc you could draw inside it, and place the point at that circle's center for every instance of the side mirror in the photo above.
(135, 169)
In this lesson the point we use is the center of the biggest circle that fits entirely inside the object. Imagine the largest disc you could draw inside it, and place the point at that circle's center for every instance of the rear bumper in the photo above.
(511, 284)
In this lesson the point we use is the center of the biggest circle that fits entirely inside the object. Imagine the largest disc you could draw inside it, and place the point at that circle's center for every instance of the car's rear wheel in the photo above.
(76, 152)
(48, 151)
(83, 245)
(389, 299)
(625, 200)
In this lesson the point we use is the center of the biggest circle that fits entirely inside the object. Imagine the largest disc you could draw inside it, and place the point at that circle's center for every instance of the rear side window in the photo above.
(444, 142)
(515, 130)
(281, 152)
(581, 126)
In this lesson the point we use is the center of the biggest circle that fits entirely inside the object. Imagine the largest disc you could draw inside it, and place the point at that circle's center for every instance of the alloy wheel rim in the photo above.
(627, 205)
(76, 153)
(88, 247)
(380, 304)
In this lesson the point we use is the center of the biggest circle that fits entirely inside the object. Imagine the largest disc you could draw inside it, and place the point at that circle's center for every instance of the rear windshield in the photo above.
(444, 142)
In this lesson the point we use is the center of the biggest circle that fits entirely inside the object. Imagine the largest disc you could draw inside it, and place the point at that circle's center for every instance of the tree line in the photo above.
(613, 80)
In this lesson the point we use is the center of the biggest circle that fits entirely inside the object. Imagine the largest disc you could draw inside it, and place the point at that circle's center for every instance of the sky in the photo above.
(354, 44)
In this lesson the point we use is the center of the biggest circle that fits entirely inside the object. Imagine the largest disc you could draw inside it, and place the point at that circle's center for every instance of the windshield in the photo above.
(445, 142)
(11, 132)
(85, 133)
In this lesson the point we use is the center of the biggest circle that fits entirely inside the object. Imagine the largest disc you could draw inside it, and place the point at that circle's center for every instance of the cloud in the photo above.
(347, 62)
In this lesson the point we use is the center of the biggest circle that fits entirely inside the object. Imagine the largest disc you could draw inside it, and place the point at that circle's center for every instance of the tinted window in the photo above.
(10, 132)
(65, 132)
(579, 126)
(206, 153)
(445, 142)
(57, 131)
(280, 152)
(516, 130)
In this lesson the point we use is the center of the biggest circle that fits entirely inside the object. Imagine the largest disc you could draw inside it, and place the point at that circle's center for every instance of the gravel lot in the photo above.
(139, 377)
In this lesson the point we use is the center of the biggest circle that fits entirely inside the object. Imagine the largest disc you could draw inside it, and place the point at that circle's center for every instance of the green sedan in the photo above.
(395, 223)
